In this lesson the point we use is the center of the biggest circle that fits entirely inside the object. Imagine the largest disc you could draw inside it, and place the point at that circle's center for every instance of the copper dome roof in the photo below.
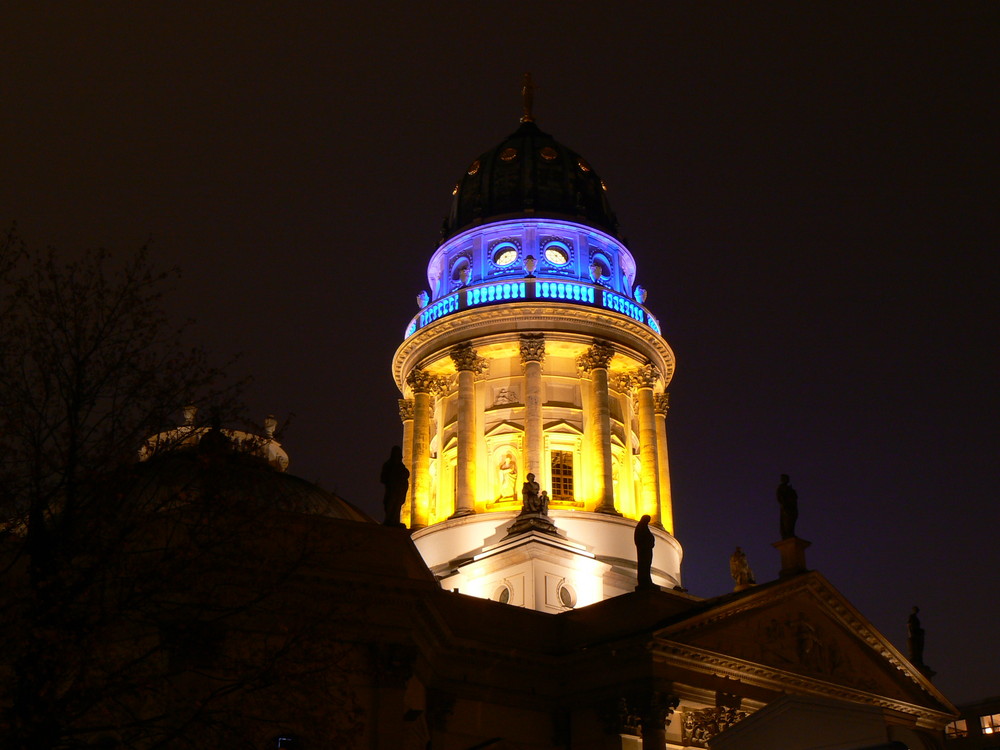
(529, 174)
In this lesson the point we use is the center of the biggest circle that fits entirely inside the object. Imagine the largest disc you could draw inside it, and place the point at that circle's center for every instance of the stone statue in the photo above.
(543, 503)
(739, 569)
(396, 478)
(915, 638)
(530, 499)
(788, 499)
(644, 543)
(507, 476)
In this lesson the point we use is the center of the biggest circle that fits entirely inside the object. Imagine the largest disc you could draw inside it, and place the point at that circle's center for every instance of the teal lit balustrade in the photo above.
(500, 292)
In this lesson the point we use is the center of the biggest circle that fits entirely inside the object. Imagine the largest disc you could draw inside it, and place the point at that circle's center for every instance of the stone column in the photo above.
(595, 361)
(468, 364)
(643, 380)
(423, 384)
(406, 417)
(661, 404)
(532, 354)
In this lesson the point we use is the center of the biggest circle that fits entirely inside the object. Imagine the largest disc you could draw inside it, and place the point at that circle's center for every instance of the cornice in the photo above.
(779, 680)
(840, 609)
(517, 317)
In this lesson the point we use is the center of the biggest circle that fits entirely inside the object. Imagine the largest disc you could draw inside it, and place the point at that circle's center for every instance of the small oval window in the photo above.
(557, 253)
(504, 254)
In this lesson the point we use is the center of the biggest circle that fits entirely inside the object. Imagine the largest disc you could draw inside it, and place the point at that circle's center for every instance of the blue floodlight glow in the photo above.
(564, 290)
(529, 289)
(620, 304)
(494, 293)
(442, 307)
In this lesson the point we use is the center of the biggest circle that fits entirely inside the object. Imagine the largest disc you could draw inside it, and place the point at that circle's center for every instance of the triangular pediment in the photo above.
(802, 633)
(563, 427)
(504, 428)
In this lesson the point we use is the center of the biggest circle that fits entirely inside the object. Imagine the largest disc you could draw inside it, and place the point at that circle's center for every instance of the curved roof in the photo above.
(529, 173)
(214, 470)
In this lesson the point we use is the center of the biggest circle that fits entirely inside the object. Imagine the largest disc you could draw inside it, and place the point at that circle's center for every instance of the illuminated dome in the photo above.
(534, 361)
(529, 173)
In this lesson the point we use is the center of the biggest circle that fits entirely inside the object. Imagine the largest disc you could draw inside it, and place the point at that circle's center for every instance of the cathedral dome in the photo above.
(529, 173)
(218, 471)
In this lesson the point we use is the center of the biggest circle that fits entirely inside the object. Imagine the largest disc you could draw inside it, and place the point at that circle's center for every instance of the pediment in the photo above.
(562, 427)
(504, 428)
(804, 632)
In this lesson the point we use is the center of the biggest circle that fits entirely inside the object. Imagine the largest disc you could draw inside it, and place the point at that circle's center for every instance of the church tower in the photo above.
(533, 353)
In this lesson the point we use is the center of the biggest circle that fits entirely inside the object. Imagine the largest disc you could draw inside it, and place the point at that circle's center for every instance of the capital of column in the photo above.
(661, 403)
(532, 347)
(405, 409)
(421, 381)
(645, 376)
(597, 356)
(621, 382)
(465, 358)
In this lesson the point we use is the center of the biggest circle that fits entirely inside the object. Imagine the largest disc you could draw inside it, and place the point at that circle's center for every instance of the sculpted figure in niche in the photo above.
(644, 543)
(788, 499)
(505, 396)
(507, 477)
(530, 498)
(396, 478)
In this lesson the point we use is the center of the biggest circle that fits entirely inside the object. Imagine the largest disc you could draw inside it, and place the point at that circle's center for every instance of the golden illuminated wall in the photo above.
(496, 393)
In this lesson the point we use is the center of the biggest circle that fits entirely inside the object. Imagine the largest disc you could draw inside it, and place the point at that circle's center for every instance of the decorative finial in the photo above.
(190, 412)
(527, 97)
(270, 425)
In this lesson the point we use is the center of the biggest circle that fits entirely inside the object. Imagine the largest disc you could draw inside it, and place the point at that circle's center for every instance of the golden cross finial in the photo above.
(528, 97)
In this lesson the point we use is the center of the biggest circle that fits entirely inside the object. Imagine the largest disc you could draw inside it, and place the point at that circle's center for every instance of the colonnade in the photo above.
(415, 414)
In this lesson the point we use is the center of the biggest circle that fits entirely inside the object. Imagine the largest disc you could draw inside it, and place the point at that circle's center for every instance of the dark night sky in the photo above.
(809, 192)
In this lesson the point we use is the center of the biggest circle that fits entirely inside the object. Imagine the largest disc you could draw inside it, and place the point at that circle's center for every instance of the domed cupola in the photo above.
(529, 173)
(533, 382)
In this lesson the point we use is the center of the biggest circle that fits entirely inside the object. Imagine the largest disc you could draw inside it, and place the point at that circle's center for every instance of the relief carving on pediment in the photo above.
(701, 725)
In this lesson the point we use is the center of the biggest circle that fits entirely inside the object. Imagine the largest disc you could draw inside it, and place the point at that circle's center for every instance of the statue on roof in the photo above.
(788, 499)
(915, 638)
(644, 543)
(396, 478)
(530, 498)
(739, 569)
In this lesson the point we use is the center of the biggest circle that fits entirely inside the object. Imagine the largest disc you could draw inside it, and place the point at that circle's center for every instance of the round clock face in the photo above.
(505, 255)
(556, 255)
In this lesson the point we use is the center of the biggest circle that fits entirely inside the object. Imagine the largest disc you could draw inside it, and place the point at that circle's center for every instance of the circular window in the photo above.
(557, 253)
(567, 597)
(504, 254)
(549, 153)
(474, 167)
(502, 594)
(584, 167)
(508, 154)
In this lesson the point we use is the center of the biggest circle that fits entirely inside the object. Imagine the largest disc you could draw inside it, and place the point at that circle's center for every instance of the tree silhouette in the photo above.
(153, 604)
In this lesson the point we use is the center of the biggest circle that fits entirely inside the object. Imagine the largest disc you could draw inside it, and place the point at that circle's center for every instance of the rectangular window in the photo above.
(990, 723)
(562, 475)
(957, 728)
